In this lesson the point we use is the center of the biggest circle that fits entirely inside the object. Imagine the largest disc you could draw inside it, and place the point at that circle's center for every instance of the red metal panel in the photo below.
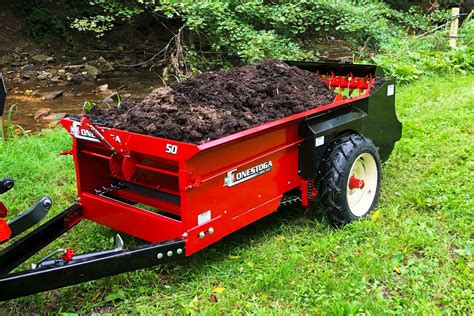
(225, 225)
(255, 197)
(252, 215)
(213, 195)
(128, 219)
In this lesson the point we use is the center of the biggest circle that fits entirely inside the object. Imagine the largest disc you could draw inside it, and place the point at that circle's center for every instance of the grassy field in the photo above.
(413, 255)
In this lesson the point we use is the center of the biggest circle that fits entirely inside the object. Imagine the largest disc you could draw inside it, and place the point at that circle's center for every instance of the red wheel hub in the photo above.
(355, 183)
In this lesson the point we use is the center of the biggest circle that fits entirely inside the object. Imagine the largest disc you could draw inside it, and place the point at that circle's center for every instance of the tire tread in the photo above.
(334, 163)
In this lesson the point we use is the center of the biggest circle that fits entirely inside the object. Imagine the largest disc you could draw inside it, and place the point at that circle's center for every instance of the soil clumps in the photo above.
(215, 104)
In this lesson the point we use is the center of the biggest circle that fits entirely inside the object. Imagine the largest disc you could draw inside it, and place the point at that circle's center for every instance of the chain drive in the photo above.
(290, 200)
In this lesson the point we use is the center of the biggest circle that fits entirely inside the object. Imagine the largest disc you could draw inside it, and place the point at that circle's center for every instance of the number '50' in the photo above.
(171, 149)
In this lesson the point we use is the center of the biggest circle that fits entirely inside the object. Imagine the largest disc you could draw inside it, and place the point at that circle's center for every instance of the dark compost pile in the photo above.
(216, 104)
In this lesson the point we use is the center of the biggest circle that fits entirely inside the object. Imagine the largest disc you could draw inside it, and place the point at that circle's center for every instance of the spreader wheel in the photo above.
(350, 182)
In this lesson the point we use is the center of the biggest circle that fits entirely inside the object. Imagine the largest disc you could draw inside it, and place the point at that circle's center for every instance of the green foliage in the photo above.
(48, 21)
(407, 59)
(119, 98)
(42, 24)
(414, 258)
(87, 106)
(108, 14)
(425, 4)
(255, 29)
(11, 129)
(414, 19)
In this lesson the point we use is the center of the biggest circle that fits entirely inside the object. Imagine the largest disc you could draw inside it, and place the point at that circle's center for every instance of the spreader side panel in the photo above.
(240, 183)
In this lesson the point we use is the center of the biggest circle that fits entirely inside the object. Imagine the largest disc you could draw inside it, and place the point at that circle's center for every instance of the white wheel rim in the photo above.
(360, 199)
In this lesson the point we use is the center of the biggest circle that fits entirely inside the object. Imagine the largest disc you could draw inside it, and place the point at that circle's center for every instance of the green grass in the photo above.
(294, 262)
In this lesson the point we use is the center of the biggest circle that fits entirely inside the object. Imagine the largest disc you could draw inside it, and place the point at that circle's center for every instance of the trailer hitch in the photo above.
(51, 273)
(67, 255)
(71, 268)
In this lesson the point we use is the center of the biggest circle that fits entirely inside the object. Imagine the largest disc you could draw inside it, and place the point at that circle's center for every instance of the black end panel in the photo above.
(383, 126)
(321, 130)
(373, 117)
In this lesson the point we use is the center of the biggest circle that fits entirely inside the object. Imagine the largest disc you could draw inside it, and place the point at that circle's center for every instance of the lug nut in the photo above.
(179, 251)
(201, 235)
(169, 253)
(159, 256)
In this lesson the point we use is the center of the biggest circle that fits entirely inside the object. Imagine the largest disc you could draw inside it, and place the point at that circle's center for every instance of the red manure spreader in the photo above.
(179, 197)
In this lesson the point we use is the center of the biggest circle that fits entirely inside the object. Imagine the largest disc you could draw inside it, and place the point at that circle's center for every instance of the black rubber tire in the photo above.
(335, 170)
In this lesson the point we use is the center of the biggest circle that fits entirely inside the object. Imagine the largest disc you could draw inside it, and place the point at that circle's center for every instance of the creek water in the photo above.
(28, 97)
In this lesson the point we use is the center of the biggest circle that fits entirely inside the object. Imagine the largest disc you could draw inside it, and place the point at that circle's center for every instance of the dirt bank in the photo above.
(216, 104)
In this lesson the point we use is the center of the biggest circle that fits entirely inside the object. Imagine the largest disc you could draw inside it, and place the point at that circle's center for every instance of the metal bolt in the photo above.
(47, 203)
(169, 253)
(185, 235)
(259, 196)
(210, 230)
(159, 255)
(201, 235)
(179, 251)
(77, 200)
(288, 182)
(225, 212)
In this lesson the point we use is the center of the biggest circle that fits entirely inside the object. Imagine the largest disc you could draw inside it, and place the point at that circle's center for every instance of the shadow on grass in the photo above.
(287, 218)
(268, 227)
